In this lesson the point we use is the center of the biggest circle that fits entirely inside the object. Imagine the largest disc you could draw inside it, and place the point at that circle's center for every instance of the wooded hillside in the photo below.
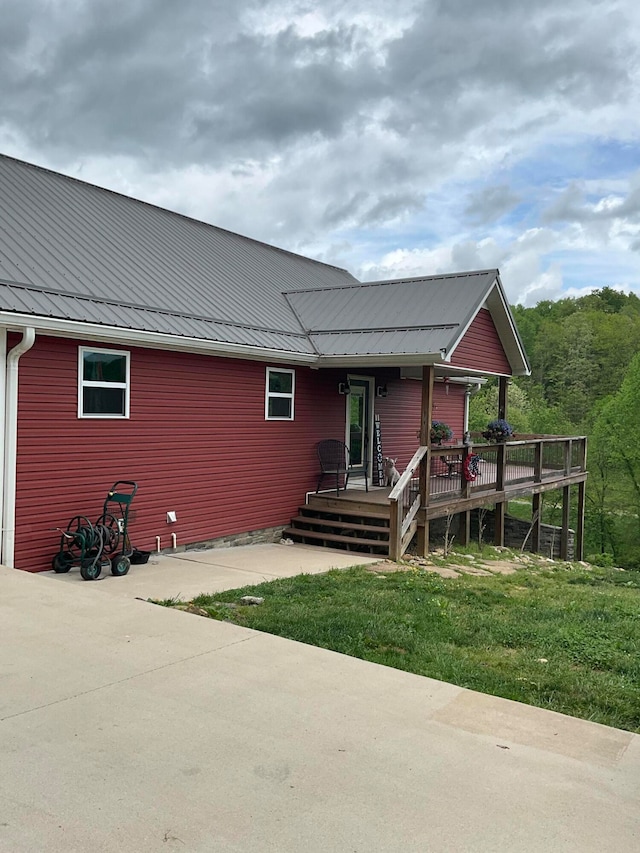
(585, 379)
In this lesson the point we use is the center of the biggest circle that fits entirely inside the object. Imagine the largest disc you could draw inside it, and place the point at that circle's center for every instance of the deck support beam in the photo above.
(578, 547)
(466, 528)
(503, 394)
(499, 514)
(536, 518)
(428, 375)
(564, 535)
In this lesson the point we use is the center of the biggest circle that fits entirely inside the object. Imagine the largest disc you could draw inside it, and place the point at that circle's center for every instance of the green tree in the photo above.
(483, 408)
(618, 426)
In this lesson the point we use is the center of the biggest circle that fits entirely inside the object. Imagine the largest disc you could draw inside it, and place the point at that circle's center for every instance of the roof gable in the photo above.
(481, 348)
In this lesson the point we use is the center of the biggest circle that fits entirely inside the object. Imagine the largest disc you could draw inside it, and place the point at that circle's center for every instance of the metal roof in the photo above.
(71, 251)
(85, 310)
(398, 304)
(403, 316)
(60, 237)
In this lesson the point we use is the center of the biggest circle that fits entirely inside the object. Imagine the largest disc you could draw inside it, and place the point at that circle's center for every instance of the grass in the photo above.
(557, 636)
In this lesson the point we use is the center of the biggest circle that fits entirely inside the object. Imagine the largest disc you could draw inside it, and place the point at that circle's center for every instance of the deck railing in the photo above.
(404, 501)
(525, 461)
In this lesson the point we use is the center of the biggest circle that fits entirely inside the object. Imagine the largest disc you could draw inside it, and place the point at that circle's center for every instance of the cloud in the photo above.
(423, 137)
(490, 203)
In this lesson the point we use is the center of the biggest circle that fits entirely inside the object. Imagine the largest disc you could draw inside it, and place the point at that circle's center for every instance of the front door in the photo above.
(358, 437)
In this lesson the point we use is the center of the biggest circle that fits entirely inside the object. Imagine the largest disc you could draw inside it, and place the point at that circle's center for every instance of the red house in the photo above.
(139, 344)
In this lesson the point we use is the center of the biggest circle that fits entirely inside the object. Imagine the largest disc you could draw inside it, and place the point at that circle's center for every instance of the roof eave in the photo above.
(521, 367)
(380, 360)
(151, 340)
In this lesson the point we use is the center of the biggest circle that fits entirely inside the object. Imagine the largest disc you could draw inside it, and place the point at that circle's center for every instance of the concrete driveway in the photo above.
(129, 727)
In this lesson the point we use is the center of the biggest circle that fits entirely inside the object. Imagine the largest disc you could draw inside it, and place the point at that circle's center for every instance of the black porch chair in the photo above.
(333, 456)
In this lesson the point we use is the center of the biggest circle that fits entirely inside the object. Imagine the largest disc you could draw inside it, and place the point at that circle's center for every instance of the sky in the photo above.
(392, 138)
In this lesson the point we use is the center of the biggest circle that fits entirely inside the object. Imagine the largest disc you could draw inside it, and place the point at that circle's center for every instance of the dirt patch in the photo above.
(473, 570)
(501, 567)
(444, 571)
(386, 567)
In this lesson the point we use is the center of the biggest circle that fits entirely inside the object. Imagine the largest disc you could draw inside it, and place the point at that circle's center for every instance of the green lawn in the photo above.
(558, 636)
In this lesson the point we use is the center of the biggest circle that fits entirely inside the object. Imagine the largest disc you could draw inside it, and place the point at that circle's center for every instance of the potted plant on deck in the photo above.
(440, 432)
(498, 430)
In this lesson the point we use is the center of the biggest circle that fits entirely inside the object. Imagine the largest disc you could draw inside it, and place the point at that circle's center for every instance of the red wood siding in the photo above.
(400, 415)
(481, 348)
(448, 406)
(196, 442)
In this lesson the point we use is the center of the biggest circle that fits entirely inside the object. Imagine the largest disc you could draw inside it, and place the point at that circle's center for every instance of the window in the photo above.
(103, 383)
(279, 396)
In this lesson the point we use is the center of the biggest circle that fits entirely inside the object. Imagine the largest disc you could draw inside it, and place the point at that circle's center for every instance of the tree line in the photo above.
(585, 380)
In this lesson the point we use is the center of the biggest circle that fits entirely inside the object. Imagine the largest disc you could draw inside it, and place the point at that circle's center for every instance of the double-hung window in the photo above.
(279, 395)
(103, 383)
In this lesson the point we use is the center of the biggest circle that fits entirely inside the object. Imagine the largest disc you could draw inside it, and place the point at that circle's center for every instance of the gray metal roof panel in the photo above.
(39, 303)
(397, 304)
(381, 342)
(65, 236)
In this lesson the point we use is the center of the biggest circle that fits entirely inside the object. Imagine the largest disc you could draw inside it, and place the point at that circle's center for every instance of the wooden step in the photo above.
(360, 509)
(328, 538)
(317, 521)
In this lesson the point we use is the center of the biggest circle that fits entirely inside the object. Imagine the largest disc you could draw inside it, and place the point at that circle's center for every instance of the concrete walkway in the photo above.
(188, 573)
(129, 727)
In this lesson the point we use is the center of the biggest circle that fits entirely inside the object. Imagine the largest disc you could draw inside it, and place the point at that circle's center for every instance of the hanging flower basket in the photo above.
(498, 430)
(440, 432)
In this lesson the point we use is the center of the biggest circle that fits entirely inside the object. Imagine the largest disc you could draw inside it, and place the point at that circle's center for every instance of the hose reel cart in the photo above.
(102, 545)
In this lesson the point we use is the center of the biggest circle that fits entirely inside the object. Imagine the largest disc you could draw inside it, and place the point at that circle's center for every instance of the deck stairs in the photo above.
(334, 522)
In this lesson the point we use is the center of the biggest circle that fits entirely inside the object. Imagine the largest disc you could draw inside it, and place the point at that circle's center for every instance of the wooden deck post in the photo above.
(567, 457)
(564, 535)
(465, 524)
(395, 528)
(579, 540)
(503, 397)
(583, 454)
(428, 373)
(499, 524)
(536, 519)
(537, 465)
(500, 508)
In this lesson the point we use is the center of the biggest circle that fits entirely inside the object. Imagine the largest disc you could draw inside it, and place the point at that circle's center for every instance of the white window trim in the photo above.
(87, 383)
(269, 394)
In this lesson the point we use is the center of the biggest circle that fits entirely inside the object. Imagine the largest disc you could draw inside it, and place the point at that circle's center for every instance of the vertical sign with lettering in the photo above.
(379, 465)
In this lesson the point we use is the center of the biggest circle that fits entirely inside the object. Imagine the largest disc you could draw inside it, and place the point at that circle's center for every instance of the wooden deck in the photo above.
(445, 491)
(530, 466)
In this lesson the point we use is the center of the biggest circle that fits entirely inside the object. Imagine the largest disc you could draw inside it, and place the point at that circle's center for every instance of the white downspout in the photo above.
(3, 376)
(470, 391)
(11, 445)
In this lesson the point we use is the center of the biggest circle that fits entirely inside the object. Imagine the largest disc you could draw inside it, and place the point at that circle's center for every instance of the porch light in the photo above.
(344, 387)
(381, 391)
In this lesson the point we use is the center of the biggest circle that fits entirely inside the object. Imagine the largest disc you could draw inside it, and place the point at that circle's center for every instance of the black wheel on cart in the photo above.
(92, 568)
(120, 565)
(62, 562)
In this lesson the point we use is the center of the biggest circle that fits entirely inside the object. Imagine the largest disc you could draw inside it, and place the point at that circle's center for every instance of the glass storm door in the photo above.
(358, 424)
